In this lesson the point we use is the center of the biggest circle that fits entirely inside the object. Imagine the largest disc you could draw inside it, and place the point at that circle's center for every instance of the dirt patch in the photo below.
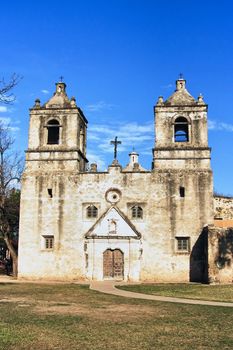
(106, 312)
(17, 300)
(127, 312)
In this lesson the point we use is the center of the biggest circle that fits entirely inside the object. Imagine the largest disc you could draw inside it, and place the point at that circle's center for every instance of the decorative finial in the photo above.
(37, 103)
(73, 102)
(200, 99)
(61, 78)
(160, 100)
(93, 168)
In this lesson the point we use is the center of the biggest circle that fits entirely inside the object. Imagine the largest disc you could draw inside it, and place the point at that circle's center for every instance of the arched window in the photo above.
(53, 132)
(181, 132)
(137, 212)
(92, 211)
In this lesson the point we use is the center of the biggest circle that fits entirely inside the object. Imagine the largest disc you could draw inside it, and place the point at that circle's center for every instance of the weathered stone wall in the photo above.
(223, 211)
(176, 198)
(220, 255)
(166, 216)
(223, 207)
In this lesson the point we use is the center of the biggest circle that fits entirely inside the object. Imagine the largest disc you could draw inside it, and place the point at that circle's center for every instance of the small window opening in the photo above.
(92, 211)
(112, 227)
(183, 244)
(181, 130)
(137, 212)
(182, 191)
(50, 192)
(53, 132)
(49, 242)
(81, 139)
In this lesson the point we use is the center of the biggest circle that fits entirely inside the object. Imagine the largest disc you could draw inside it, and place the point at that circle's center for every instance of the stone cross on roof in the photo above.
(115, 143)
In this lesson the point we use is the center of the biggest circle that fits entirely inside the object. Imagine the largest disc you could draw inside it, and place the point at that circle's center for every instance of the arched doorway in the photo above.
(113, 264)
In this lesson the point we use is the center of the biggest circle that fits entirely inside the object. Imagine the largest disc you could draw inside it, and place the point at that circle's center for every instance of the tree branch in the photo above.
(6, 95)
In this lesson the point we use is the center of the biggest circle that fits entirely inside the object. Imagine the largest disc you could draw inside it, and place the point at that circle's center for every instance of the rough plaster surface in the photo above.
(223, 207)
(149, 244)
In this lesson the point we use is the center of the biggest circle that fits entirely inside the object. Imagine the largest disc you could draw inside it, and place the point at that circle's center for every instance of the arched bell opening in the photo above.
(53, 127)
(181, 130)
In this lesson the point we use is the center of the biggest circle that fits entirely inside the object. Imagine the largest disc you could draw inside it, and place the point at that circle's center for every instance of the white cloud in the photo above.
(136, 128)
(9, 124)
(131, 134)
(106, 147)
(14, 128)
(44, 91)
(168, 86)
(5, 120)
(3, 109)
(93, 137)
(99, 106)
(215, 125)
(128, 133)
(212, 125)
(147, 152)
(101, 129)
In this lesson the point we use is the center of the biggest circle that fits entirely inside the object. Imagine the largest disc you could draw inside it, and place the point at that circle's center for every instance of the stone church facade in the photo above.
(125, 223)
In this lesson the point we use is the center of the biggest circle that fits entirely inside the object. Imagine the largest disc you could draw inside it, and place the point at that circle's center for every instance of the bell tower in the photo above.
(55, 157)
(181, 161)
(57, 134)
(181, 131)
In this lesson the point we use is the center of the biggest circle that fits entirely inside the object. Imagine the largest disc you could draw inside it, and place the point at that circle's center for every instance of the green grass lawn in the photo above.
(69, 316)
(184, 290)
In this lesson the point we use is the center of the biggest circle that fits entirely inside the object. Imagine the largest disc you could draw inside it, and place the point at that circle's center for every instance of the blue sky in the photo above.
(117, 57)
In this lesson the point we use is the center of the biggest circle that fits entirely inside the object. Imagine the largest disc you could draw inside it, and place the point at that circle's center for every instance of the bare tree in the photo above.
(10, 172)
(6, 94)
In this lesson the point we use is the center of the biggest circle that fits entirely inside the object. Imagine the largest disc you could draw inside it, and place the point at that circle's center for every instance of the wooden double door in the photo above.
(113, 264)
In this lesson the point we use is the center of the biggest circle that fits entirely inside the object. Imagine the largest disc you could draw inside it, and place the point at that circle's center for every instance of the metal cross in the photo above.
(181, 76)
(61, 78)
(115, 143)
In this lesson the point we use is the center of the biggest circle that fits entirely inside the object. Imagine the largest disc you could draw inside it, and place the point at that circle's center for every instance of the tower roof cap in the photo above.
(59, 98)
(181, 96)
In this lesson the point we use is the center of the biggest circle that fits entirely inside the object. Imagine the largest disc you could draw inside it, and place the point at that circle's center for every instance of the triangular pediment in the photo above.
(113, 224)
(61, 101)
(60, 98)
(181, 97)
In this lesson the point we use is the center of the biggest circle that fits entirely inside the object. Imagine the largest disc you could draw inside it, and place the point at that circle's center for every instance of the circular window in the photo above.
(113, 195)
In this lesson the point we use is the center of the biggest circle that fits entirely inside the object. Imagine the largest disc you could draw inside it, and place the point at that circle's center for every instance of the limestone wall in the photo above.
(223, 207)
(166, 217)
(223, 211)
(220, 255)
(176, 199)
